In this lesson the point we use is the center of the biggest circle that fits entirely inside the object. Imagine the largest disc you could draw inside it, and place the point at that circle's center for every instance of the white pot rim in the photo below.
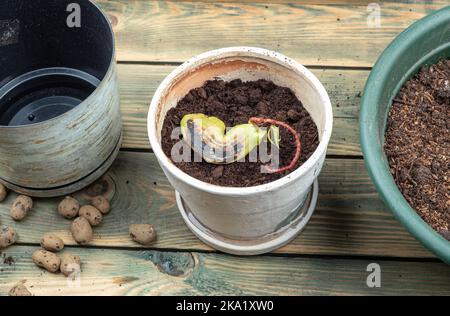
(239, 191)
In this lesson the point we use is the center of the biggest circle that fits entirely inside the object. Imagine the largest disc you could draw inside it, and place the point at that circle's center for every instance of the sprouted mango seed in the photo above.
(206, 136)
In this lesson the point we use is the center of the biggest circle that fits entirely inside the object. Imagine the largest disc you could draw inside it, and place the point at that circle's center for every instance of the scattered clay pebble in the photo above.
(101, 203)
(2, 192)
(70, 264)
(81, 230)
(20, 207)
(143, 234)
(93, 215)
(19, 290)
(69, 207)
(8, 236)
(47, 260)
(52, 242)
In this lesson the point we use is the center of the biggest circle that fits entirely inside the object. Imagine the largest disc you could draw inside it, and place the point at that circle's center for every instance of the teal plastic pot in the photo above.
(423, 43)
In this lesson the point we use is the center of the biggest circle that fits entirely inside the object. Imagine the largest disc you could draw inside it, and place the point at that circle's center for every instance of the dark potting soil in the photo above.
(235, 103)
(418, 145)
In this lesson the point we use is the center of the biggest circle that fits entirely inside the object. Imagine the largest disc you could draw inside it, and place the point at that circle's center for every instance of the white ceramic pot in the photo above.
(248, 220)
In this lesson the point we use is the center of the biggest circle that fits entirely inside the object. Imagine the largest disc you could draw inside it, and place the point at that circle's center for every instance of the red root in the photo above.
(261, 120)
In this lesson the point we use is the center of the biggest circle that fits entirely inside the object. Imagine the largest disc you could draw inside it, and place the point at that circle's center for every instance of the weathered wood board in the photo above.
(123, 272)
(314, 34)
(350, 219)
(334, 38)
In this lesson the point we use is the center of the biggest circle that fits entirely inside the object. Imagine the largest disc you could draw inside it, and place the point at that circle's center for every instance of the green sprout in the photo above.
(274, 135)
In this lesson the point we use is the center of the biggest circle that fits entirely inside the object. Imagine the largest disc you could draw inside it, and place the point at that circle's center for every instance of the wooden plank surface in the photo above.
(350, 219)
(122, 272)
(314, 34)
(139, 82)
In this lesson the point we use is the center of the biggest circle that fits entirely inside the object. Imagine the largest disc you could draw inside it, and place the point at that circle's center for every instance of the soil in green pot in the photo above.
(235, 103)
(417, 144)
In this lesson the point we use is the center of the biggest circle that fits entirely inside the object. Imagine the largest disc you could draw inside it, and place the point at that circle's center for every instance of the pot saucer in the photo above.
(258, 245)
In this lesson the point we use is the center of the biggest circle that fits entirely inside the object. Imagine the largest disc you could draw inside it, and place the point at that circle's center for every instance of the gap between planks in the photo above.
(175, 64)
(350, 218)
(150, 150)
(313, 34)
(139, 82)
(213, 251)
(148, 272)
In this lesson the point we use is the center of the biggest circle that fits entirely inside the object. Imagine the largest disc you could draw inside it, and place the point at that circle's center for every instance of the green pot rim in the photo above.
(372, 144)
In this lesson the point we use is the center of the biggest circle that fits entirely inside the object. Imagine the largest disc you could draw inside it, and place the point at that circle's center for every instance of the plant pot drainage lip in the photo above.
(237, 52)
(255, 246)
(92, 95)
(374, 155)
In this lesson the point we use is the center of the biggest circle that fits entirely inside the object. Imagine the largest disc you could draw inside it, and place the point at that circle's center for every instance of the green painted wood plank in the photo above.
(121, 272)
(350, 219)
(314, 34)
(139, 82)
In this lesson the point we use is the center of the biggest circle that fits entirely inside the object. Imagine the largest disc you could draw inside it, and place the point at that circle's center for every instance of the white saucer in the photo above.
(258, 245)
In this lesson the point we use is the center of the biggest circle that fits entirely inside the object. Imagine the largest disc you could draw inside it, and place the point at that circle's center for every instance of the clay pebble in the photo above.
(69, 207)
(47, 260)
(70, 264)
(143, 234)
(51, 242)
(81, 230)
(20, 207)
